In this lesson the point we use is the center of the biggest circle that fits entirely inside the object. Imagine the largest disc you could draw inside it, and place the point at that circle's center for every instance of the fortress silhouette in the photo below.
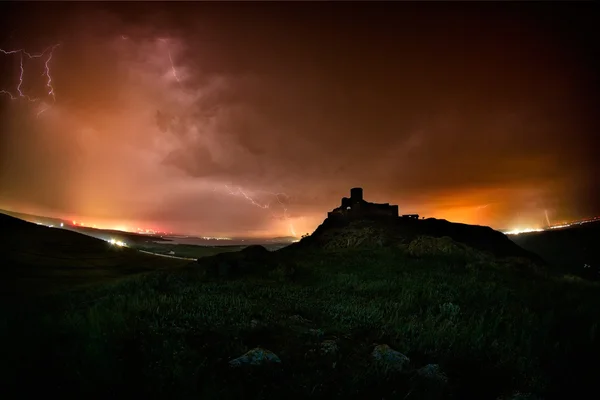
(355, 207)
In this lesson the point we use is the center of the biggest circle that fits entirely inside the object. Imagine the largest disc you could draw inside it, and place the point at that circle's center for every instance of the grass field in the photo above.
(185, 250)
(37, 259)
(494, 328)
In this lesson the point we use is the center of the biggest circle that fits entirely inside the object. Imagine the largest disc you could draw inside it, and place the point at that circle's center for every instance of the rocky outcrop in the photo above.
(385, 356)
(256, 356)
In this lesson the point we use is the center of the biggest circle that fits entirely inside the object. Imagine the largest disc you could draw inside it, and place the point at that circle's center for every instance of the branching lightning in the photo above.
(48, 52)
(238, 191)
(278, 196)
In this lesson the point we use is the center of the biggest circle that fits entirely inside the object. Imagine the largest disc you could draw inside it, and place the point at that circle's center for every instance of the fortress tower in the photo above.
(357, 207)
(356, 195)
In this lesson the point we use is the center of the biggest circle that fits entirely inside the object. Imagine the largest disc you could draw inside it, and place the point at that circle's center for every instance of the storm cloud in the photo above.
(193, 116)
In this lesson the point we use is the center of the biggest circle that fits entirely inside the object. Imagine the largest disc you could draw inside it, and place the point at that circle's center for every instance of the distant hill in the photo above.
(568, 250)
(34, 218)
(139, 238)
(35, 258)
(103, 234)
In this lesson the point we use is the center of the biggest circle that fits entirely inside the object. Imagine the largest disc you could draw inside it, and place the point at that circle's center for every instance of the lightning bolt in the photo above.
(8, 93)
(49, 52)
(278, 196)
(41, 111)
(238, 191)
(171, 60)
(47, 72)
(21, 80)
(285, 214)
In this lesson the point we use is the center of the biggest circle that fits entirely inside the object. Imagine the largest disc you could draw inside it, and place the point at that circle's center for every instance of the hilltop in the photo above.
(401, 232)
(357, 223)
(365, 228)
(371, 305)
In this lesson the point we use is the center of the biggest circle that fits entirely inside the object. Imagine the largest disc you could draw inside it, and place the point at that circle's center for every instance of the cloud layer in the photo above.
(195, 116)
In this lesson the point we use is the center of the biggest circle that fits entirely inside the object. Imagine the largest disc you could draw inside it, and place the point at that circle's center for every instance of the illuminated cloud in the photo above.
(167, 117)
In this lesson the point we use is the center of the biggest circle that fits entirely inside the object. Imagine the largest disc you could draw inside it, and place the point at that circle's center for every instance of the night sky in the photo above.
(191, 117)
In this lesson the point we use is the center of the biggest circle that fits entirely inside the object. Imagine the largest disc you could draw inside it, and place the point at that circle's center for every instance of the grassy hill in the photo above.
(493, 325)
(38, 259)
(567, 250)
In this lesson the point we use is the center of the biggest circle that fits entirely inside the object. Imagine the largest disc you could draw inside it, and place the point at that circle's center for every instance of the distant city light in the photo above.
(525, 230)
(117, 243)
(213, 238)
(122, 228)
(562, 225)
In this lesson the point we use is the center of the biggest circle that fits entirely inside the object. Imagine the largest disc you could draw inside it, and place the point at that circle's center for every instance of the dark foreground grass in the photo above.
(166, 334)
(35, 272)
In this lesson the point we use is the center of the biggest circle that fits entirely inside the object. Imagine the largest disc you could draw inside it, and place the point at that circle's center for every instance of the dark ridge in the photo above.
(7, 223)
(37, 260)
(17, 234)
(479, 237)
(571, 250)
(90, 231)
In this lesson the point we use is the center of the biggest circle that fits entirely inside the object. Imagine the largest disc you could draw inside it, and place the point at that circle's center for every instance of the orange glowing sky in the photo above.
(166, 113)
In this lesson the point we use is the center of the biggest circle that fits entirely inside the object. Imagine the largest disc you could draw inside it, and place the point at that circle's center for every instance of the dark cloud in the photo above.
(469, 112)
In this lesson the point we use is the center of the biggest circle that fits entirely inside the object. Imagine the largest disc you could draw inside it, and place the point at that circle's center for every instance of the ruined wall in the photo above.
(381, 210)
(356, 207)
